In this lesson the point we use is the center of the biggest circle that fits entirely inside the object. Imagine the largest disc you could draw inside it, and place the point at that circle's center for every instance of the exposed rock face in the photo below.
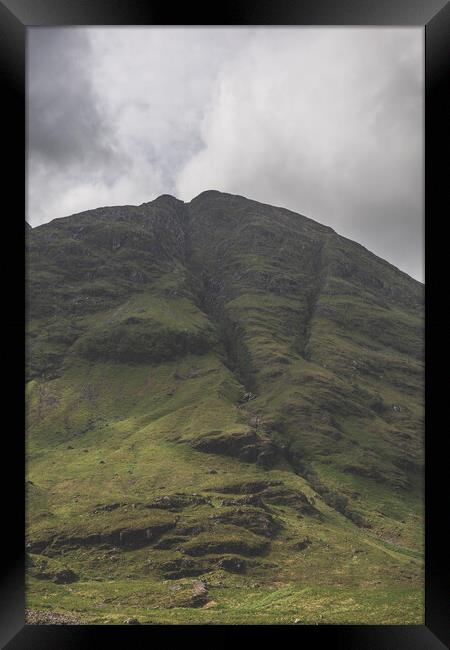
(65, 576)
(261, 493)
(199, 594)
(61, 577)
(128, 538)
(232, 564)
(254, 519)
(182, 568)
(247, 446)
(177, 502)
(294, 498)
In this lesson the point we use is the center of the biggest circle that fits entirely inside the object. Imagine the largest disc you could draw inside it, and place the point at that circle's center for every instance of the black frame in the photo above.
(434, 15)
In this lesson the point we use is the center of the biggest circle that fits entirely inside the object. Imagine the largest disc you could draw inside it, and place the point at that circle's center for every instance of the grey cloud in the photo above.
(65, 121)
(326, 122)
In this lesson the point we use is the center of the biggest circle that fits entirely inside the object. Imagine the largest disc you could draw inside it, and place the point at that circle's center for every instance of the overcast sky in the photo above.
(327, 122)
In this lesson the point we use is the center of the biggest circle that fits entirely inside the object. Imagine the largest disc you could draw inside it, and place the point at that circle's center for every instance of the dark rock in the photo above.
(38, 546)
(177, 502)
(293, 498)
(248, 446)
(232, 564)
(65, 576)
(131, 621)
(253, 519)
(182, 568)
(248, 453)
(266, 458)
(136, 538)
(128, 538)
(189, 530)
(43, 575)
(228, 444)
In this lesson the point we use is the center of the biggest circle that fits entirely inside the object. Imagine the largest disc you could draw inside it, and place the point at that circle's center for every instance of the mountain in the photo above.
(224, 419)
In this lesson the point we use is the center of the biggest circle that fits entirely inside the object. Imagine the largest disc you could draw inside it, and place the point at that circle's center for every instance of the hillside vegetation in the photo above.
(224, 419)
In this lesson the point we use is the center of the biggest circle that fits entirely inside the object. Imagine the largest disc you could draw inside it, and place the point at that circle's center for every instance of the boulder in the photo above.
(199, 594)
(65, 576)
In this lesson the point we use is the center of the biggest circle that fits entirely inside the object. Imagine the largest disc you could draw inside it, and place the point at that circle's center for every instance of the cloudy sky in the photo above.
(327, 122)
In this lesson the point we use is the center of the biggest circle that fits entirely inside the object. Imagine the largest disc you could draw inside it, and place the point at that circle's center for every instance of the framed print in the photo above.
(228, 419)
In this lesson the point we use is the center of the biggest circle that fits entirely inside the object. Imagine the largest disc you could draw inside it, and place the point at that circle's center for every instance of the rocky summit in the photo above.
(224, 420)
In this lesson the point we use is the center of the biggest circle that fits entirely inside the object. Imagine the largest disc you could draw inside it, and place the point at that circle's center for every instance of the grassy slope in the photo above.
(225, 297)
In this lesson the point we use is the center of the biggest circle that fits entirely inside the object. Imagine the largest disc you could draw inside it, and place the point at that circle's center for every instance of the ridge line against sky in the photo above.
(327, 122)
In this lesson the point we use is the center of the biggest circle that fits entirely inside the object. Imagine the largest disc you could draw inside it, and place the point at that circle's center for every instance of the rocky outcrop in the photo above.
(199, 595)
(61, 577)
(182, 568)
(281, 495)
(239, 545)
(65, 576)
(254, 519)
(127, 538)
(232, 564)
(177, 502)
(248, 446)
(262, 493)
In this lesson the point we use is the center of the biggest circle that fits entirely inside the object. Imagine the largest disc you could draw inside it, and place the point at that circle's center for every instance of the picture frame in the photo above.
(16, 16)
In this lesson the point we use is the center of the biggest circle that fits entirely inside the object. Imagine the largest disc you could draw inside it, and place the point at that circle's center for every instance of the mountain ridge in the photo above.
(218, 192)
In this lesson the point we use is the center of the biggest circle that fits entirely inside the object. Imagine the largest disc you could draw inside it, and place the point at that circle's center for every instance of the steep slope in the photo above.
(221, 390)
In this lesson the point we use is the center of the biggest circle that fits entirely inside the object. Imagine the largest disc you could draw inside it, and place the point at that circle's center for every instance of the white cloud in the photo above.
(326, 122)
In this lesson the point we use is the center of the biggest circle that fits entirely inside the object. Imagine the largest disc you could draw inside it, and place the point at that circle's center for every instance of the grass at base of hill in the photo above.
(241, 603)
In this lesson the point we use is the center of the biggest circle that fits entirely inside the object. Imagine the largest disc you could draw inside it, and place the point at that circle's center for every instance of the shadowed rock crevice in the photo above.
(317, 277)
(210, 296)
